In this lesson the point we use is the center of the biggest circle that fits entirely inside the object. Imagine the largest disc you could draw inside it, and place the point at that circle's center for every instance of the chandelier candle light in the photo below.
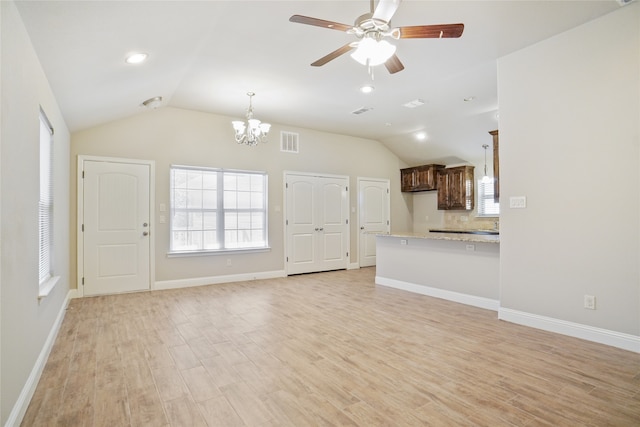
(252, 131)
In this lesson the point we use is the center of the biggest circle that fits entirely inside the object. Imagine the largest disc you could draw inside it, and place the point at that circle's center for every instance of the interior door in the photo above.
(373, 219)
(116, 213)
(317, 230)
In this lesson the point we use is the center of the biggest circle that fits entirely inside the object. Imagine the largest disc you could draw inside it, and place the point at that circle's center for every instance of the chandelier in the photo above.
(252, 131)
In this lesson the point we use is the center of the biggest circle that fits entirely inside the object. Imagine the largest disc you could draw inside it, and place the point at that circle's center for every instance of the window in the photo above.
(45, 204)
(486, 205)
(217, 210)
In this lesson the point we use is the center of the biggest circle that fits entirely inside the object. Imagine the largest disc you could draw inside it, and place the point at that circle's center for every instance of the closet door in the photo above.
(317, 230)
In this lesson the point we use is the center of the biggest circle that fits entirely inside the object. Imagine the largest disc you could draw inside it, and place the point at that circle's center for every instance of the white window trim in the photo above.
(207, 252)
(47, 284)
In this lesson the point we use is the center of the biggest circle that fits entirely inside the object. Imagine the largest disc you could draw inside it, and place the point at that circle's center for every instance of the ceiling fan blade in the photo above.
(432, 31)
(385, 9)
(320, 23)
(393, 64)
(333, 55)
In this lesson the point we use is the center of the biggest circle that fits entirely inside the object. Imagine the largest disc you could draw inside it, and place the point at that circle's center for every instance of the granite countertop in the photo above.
(457, 236)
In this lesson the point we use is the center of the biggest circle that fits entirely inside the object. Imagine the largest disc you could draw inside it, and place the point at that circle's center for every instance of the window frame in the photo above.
(220, 212)
(47, 279)
(485, 196)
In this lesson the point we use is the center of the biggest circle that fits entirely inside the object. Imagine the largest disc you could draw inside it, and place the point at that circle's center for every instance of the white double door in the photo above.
(317, 222)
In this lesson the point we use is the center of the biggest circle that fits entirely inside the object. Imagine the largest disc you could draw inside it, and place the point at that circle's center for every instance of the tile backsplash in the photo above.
(468, 221)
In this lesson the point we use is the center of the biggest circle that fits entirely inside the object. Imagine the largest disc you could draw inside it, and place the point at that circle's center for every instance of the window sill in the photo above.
(47, 286)
(180, 254)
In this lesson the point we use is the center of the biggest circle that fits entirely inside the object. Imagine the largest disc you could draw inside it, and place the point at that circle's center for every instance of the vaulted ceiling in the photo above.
(206, 55)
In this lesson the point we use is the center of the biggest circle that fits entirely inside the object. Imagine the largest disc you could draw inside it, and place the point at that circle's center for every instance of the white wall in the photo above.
(176, 136)
(26, 324)
(569, 126)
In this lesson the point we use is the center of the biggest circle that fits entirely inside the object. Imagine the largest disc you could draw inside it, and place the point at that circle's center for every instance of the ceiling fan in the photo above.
(371, 29)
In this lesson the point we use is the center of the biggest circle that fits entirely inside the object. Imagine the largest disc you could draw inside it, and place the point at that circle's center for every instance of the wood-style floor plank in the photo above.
(322, 349)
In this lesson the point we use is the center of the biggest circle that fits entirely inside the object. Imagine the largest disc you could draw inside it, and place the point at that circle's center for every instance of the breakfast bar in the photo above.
(457, 266)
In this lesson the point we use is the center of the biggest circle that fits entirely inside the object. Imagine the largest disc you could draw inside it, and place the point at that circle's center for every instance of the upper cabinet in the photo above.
(456, 188)
(420, 178)
(496, 167)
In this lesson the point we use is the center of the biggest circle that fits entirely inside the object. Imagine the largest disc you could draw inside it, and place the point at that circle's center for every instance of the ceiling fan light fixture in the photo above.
(371, 52)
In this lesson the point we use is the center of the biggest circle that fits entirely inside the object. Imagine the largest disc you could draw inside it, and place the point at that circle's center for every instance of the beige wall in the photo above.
(569, 142)
(26, 323)
(176, 136)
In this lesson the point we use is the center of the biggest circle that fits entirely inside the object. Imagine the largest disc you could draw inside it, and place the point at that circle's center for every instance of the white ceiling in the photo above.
(206, 55)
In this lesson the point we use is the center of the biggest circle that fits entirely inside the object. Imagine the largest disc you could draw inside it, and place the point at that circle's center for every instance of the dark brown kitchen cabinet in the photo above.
(496, 167)
(456, 188)
(419, 178)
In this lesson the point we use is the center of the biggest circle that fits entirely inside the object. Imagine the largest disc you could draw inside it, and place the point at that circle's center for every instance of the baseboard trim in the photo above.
(215, 280)
(576, 330)
(21, 405)
(481, 302)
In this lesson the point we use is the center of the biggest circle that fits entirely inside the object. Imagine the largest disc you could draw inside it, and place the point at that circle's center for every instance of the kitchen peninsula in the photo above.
(460, 267)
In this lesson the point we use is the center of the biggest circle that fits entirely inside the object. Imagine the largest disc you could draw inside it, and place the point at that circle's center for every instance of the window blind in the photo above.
(45, 204)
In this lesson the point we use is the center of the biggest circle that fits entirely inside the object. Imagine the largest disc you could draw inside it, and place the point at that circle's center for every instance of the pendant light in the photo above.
(485, 179)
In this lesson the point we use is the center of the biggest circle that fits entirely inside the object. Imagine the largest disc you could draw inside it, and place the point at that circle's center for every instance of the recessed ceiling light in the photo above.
(136, 58)
(152, 102)
(421, 136)
(469, 98)
(366, 88)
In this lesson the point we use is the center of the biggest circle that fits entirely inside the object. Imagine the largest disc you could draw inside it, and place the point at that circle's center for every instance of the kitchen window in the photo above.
(487, 207)
(217, 210)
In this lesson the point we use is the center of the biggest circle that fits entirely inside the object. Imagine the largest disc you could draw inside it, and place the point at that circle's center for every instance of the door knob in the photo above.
(145, 233)
(362, 228)
(145, 224)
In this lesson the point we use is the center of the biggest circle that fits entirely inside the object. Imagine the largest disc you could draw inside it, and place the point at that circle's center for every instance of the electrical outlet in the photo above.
(471, 248)
(403, 241)
(228, 262)
(590, 302)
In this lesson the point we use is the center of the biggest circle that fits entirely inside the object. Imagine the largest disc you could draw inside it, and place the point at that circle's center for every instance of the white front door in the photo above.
(116, 223)
(373, 219)
(317, 229)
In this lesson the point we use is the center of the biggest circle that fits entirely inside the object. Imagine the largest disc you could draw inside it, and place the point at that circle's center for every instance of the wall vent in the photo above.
(362, 110)
(289, 142)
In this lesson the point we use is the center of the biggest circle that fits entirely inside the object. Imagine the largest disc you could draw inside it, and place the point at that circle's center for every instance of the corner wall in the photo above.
(27, 325)
(569, 142)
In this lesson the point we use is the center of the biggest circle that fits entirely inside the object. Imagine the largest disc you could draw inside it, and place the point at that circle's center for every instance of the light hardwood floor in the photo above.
(321, 350)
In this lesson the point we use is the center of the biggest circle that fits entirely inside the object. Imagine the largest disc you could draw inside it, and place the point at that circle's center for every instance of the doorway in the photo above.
(373, 218)
(115, 233)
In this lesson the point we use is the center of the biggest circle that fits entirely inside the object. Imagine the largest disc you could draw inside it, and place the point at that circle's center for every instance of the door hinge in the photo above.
(347, 253)
(82, 174)
(347, 221)
(387, 222)
(83, 281)
(346, 188)
(286, 185)
(83, 228)
(287, 222)
(387, 191)
(287, 259)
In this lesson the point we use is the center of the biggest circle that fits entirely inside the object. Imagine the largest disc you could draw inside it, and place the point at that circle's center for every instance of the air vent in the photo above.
(624, 2)
(362, 110)
(414, 104)
(289, 142)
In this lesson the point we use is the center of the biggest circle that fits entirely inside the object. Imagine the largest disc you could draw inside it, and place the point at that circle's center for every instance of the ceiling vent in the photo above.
(414, 104)
(624, 2)
(362, 110)
(289, 142)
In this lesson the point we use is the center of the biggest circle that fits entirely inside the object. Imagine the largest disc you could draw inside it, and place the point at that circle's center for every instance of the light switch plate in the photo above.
(517, 202)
